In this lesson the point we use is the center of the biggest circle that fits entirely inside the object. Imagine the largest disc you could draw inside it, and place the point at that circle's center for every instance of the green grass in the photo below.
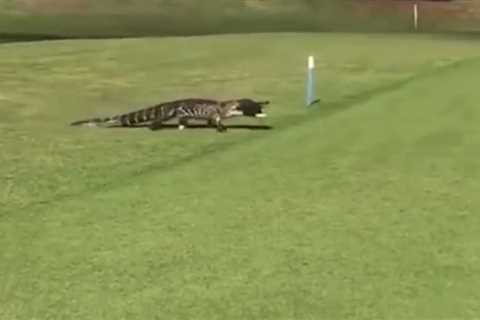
(362, 207)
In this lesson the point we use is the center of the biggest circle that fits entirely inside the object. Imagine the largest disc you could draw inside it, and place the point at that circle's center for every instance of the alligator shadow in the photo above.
(199, 126)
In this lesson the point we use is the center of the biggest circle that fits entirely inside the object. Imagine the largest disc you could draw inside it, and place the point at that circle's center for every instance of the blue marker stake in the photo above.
(310, 98)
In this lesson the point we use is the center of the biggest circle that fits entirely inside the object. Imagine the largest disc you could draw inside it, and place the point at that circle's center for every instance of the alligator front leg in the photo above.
(219, 124)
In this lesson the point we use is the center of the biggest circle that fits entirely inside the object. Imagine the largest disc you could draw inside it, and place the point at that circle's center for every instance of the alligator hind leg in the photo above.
(155, 125)
(158, 123)
(210, 123)
(182, 123)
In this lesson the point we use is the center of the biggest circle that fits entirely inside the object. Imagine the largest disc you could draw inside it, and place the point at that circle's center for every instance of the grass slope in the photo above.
(119, 18)
(364, 208)
(34, 19)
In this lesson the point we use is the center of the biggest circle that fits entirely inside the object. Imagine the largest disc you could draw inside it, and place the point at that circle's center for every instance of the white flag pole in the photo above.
(310, 94)
(415, 16)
